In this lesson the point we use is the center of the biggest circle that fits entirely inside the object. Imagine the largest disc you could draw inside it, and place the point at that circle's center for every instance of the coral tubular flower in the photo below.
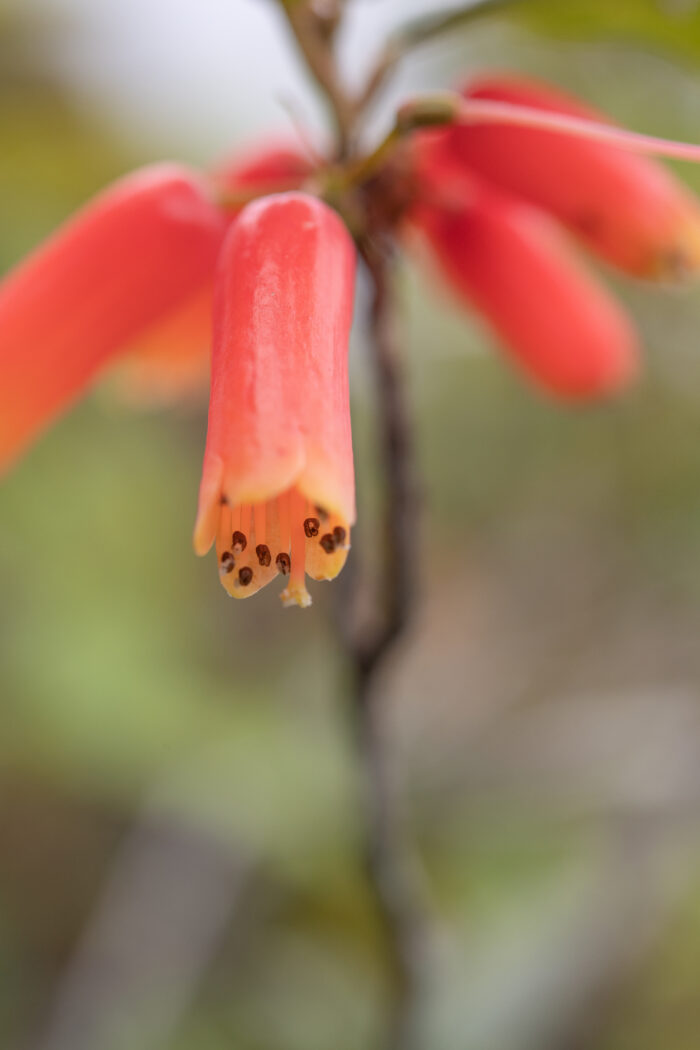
(510, 262)
(130, 257)
(277, 492)
(626, 208)
(170, 361)
(270, 166)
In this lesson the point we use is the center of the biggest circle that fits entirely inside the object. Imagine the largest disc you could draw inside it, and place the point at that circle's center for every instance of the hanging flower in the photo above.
(512, 264)
(625, 208)
(170, 360)
(130, 257)
(494, 201)
(277, 491)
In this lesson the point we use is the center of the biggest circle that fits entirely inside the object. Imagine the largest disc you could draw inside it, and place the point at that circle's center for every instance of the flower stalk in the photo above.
(390, 866)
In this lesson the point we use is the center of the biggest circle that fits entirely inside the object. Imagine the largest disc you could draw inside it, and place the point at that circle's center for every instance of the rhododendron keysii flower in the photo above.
(491, 192)
(129, 257)
(170, 360)
(626, 208)
(277, 492)
(511, 263)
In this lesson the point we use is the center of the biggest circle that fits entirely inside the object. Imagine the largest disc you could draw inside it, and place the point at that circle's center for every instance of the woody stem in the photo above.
(389, 864)
(315, 42)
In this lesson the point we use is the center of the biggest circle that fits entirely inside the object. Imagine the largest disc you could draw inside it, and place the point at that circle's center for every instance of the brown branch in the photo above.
(391, 870)
(400, 535)
(314, 35)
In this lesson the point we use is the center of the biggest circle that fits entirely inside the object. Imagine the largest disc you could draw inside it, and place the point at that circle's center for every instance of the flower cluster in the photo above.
(250, 268)
(501, 205)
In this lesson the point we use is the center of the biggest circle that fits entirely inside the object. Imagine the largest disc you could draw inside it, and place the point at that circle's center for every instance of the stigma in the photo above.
(288, 536)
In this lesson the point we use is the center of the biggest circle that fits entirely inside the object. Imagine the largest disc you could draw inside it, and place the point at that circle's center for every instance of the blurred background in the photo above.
(179, 840)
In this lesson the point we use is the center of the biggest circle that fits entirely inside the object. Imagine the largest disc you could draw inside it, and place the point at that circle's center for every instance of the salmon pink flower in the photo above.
(170, 361)
(491, 189)
(512, 264)
(627, 209)
(270, 166)
(277, 492)
(128, 258)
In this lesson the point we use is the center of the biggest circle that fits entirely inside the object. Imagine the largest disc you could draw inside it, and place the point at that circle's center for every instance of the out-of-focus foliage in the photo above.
(52, 159)
(671, 25)
(545, 717)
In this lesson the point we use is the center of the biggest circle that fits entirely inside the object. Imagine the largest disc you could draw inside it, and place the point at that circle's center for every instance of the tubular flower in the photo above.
(277, 492)
(510, 262)
(627, 209)
(274, 166)
(131, 256)
(170, 361)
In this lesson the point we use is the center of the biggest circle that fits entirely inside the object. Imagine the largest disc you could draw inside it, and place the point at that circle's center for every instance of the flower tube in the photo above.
(129, 257)
(626, 208)
(510, 262)
(170, 360)
(277, 492)
(272, 166)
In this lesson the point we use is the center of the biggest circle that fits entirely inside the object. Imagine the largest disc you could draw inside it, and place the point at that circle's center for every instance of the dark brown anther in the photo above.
(245, 575)
(339, 535)
(263, 552)
(322, 512)
(227, 562)
(283, 563)
(223, 502)
(239, 541)
(328, 542)
(311, 527)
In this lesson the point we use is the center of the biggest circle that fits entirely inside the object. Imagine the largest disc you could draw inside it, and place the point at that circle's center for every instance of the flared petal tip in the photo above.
(204, 531)
(211, 500)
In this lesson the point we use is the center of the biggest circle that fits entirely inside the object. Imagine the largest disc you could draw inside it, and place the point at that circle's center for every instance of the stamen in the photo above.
(295, 593)
(328, 543)
(246, 518)
(223, 536)
(283, 516)
(264, 557)
(239, 541)
(283, 563)
(228, 563)
(322, 512)
(297, 505)
(326, 554)
(245, 576)
(236, 518)
(260, 519)
(311, 527)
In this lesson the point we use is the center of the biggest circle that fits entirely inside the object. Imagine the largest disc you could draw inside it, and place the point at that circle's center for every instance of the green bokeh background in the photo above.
(543, 721)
